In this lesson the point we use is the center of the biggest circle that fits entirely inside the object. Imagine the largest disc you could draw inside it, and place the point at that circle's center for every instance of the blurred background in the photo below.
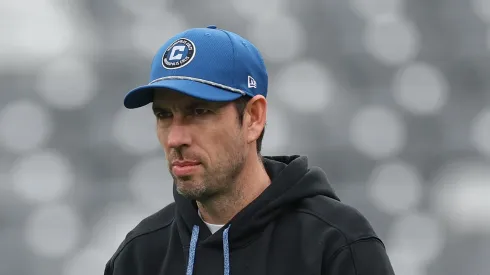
(390, 97)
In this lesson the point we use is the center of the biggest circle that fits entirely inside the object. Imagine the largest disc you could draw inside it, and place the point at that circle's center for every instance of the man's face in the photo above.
(203, 141)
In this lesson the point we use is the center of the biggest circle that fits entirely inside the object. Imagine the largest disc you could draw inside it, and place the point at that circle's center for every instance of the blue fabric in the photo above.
(226, 251)
(192, 251)
(221, 59)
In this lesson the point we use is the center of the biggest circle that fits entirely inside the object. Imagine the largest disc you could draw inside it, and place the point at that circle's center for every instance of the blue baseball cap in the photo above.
(207, 63)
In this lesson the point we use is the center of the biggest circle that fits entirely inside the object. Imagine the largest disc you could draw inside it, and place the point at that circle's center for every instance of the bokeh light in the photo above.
(378, 132)
(28, 42)
(24, 126)
(53, 230)
(42, 176)
(461, 195)
(392, 40)
(279, 38)
(68, 82)
(135, 130)
(405, 262)
(151, 184)
(305, 87)
(421, 89)
(419, 236)
(482, 9)
(395, 187)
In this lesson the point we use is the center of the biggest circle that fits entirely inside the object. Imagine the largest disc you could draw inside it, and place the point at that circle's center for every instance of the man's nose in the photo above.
(178, 135)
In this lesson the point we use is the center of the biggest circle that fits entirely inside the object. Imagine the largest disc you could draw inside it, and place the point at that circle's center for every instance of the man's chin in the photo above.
(191, 195)
(197, 193)
(189, 189)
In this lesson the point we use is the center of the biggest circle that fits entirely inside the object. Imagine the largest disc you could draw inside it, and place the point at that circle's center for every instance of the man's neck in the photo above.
(248, 186)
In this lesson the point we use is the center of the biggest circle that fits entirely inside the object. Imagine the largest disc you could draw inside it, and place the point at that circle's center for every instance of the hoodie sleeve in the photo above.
(361, 257)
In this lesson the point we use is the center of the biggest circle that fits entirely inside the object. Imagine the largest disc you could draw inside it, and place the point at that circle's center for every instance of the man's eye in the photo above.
(163, 114)
(200, 111)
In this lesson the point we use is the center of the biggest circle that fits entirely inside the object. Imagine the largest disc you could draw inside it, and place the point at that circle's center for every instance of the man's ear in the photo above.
(255, 116)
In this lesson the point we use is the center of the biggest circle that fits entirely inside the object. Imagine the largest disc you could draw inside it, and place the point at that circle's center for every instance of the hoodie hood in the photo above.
(291, 181)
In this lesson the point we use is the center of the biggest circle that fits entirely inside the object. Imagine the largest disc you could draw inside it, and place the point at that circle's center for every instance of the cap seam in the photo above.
(215, 84)
(234, 57)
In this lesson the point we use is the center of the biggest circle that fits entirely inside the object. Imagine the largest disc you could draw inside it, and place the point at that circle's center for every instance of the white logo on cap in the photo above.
(178, 48)
(179, 54)
(251, 82)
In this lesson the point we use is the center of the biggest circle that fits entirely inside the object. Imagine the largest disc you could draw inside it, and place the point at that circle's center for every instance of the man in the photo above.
(235, 212)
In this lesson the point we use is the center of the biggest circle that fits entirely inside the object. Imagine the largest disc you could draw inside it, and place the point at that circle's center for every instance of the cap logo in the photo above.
(179, 54)
(251, 82)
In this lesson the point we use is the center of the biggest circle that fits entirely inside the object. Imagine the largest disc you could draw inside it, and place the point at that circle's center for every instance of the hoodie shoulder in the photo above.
(157, 221)
(347, 221)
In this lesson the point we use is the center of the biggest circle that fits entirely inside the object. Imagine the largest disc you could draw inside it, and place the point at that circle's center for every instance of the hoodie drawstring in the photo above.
(226, 251)
(193, 245)
(192, 250)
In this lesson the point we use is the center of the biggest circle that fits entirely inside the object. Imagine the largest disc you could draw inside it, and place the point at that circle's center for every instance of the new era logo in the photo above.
(251, 82)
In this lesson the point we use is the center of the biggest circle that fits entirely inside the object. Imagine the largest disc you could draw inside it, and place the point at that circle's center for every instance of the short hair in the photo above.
(240, 105)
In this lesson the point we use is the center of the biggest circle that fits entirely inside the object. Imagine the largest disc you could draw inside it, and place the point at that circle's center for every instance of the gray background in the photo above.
(390, 97)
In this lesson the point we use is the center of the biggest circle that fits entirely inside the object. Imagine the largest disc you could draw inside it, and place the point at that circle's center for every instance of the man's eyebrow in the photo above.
(197, 104)
(156, 109)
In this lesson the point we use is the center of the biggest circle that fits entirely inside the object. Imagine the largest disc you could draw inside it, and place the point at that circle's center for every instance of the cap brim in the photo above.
(143, 95)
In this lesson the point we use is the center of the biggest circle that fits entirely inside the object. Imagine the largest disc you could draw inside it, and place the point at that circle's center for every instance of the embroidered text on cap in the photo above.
(179, 54)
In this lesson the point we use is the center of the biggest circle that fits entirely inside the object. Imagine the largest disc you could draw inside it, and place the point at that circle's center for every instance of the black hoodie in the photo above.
(296, 226)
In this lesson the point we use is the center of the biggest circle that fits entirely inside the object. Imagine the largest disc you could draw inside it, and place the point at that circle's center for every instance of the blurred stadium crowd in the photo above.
(390, 97)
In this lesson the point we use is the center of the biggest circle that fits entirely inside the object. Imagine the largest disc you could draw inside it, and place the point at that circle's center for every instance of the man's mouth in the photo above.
(184, 168)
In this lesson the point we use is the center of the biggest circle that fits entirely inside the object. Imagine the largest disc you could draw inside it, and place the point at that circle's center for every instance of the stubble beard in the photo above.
(213, 183)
